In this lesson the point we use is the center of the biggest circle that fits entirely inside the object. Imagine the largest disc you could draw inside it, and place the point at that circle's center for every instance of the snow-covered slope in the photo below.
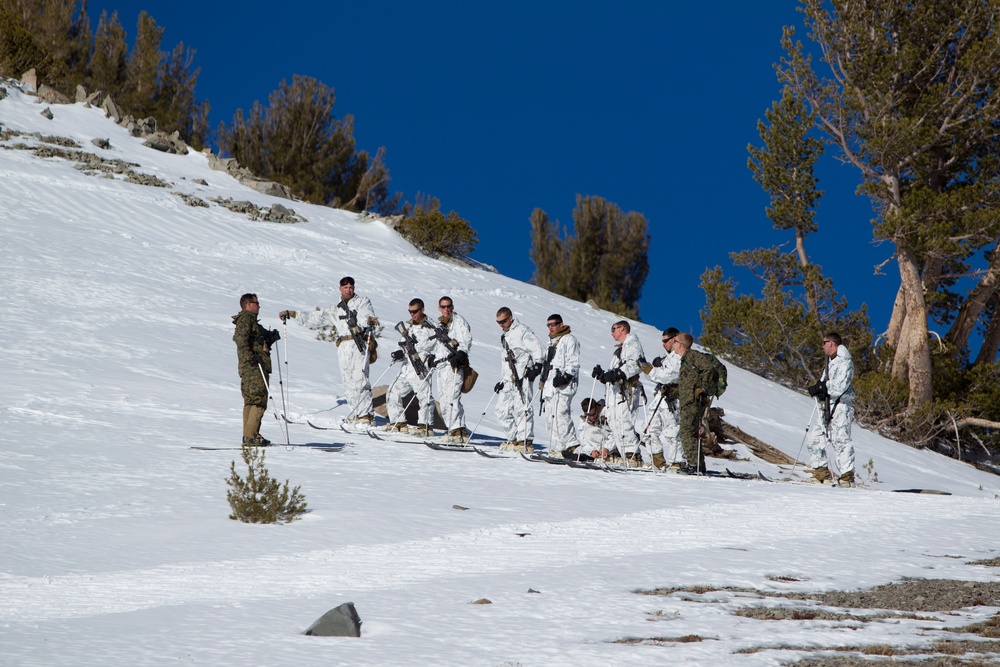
(117, 354)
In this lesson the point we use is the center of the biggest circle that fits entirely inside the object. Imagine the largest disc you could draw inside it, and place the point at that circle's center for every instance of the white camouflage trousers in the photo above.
(840, 438)
(664, 430)
(518, 422)
(449, 386)
(405, 382)
(621, 419)
(354, 374)
(562, 430)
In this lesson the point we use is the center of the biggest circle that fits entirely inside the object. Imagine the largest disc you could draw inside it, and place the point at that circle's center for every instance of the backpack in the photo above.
(717, 379)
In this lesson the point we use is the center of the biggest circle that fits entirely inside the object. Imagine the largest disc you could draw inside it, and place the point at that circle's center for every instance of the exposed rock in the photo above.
(342, 621)
(483, 601)
(172, 143)
(60, 141)
(146, 179)
(191, 200)
(91, 98)
(47, 112)
(30, 80)
(3, 92)
(279, 213)
(246, 177)
(50, 95)
(267, 187)
(111, 109)
(81, 94)
(101, 143)
(201, 181)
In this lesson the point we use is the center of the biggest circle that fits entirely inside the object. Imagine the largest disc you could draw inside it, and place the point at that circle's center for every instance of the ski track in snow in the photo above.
(395, 565)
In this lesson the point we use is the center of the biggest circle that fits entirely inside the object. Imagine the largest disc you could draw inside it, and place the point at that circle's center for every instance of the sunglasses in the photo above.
(504, 320)
(553, 324)
(667, 340)
(446, 307)
(414, 312)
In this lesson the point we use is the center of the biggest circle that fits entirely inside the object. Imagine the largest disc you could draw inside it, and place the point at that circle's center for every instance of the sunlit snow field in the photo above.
(117, 357)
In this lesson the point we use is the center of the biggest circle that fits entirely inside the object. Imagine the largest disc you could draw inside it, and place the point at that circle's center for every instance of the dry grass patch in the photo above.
(660, 641)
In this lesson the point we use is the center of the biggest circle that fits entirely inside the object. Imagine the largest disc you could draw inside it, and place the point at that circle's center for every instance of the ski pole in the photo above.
(358, 404)
(652, 415)
(281, 388)
(423, 381)
(473, 431)
(284, 339)
(804, 436)
(524, 418)
(283, 431)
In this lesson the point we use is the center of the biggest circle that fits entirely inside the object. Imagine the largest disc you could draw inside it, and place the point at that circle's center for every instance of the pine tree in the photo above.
(296, 140)
(142, 68)
(778, 334)
(912, 100)
(259, 498)
(109, 56)
(605, 258)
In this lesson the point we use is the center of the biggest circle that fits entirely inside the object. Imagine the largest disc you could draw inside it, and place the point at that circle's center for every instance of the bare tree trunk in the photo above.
(991, 340)
(913, 337)
(968, 314)
(895, 328)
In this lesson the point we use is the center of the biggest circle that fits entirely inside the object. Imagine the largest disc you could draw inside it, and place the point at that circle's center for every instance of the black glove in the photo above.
(531, 372)
(431, 361)
(657, 362)
(561, 380)
(597, 373)
(256, 360)
(497, 387)
(398, 355)
(614, 375)
(458, 359)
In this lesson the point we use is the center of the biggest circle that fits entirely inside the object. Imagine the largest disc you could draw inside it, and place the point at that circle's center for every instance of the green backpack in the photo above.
(717, 380)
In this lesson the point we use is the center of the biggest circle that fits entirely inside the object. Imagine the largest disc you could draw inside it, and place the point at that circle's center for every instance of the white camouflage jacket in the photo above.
(336, 319)
(526, 348)
(839, 373)
(566, 361)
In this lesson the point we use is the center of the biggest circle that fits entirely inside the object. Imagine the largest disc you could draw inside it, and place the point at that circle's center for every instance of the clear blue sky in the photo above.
(501, 108)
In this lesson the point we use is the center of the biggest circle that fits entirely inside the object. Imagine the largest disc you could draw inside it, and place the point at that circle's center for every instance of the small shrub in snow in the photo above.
(260, 498)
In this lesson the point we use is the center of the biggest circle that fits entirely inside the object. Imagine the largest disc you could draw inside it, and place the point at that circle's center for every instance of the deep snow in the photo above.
(117, 549)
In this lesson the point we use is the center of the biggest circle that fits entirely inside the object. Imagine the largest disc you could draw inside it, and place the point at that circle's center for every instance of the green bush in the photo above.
(260, 498)
(433, 231)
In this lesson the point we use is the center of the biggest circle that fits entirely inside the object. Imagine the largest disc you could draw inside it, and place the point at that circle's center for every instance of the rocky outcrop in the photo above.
(247, 178)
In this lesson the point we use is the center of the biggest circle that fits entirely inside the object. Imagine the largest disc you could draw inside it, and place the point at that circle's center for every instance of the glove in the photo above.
(398, 355)
(698, 391)
(597, 373)
(431, 361)
(285, 314)
(531, 372)
(614, 375)
(560, 380)
(458, 359)
(256, 360)
(497, 387)
(646, 368)
(658, 362)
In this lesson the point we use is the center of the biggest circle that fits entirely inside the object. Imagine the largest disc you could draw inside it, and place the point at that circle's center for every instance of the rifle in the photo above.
(409, 345)
(442, 335)
(512, 362)
(546, 368)
(357, 333)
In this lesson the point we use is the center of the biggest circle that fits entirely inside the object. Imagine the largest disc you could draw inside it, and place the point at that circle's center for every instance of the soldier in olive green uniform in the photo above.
(253, 349)
(695, 366)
